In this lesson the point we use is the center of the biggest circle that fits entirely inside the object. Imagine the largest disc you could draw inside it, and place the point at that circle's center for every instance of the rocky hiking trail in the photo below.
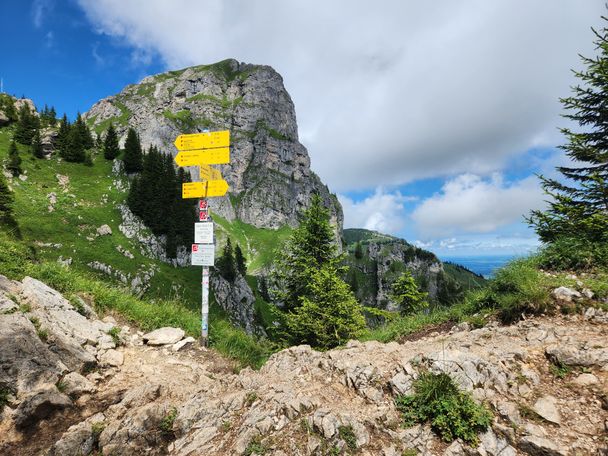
(73, 391)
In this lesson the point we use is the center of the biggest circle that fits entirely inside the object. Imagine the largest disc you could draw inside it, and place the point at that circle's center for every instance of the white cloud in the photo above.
(382, 211)
(471, 204)
(40, 8)
(392, 93)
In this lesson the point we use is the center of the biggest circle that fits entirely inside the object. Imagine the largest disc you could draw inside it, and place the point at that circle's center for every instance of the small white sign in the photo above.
(203, 254)
(203, 233)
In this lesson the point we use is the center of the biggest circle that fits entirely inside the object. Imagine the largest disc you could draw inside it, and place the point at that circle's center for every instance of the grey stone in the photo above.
(112, 358)
(401, 383)
(238, 300)
(546, 407)
(565, 294)
(182, 343)
(586, 380)
(78, 440)
(75, 384)
(540, 446)
(40, 405)
(574, 356)
(104, 230)
(164, 336)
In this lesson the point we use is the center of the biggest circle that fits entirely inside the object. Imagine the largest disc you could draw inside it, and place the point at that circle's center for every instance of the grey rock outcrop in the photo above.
(269, 174)
(238, 300)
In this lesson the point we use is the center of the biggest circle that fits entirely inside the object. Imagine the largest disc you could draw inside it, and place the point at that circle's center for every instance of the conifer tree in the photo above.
(225, 263)
(578, 209)
(358, 251)
(83, 133)
(239, 259)
(406, 295)
(110, 144)
(62, 135)
(311, 246)
(133, 157)
(14, 160)
(27, 125)
(73, 147)
(6, 205)
(329, 315)
(36, 147)
(52, 117)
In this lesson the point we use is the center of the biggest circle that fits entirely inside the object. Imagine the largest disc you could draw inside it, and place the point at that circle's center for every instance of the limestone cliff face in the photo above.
(376, 260)
(269, 175)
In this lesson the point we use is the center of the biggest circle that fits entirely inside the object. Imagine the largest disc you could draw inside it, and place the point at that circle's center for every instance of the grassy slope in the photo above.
(78, 213)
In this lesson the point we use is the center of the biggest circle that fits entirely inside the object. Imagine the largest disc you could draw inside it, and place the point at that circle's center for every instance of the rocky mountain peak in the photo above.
(269, 175)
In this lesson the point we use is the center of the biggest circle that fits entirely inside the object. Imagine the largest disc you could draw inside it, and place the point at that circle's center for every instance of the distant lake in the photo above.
(485, 265)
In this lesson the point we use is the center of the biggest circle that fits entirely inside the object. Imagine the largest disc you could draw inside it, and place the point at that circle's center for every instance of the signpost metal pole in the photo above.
(204, 149)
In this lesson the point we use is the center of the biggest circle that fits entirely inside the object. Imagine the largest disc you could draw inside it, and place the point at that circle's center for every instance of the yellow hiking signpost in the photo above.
(219, 156)
(210, 140)
(204, 189)
(209, 173)
(204, 149)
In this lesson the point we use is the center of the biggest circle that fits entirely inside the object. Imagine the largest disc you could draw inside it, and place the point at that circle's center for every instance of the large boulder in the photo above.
(39, 406)
(164, 336)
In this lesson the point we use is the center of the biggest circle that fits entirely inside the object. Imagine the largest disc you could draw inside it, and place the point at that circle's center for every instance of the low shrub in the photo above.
(453, 414)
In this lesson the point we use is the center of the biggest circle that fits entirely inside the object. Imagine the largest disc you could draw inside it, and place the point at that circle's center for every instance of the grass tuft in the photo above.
(452, 413)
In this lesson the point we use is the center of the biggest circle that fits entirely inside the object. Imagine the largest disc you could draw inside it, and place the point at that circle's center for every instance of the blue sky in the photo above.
(428, 119)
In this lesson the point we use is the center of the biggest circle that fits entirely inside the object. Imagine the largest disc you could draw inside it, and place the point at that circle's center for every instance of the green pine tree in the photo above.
(7, 105)
(7, 200)
(358, 251)
(578, 209)
(14, 160)
(52, 117)
(133, 157)
(36, 147)
(240, 261)
(329, 315)
(110, 144)
(72, 147)
(311, 246)
(225, 264)
(406, 294)
(62, 135)
(83, 133)
(27, 125)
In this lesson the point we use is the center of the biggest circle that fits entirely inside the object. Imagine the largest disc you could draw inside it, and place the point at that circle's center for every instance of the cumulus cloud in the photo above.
(392, 93)
(382, 211)
(471, 204)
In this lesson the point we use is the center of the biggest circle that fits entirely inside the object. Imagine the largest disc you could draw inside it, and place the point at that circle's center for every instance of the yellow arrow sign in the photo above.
(209, 173)
(210, 140)
(203, 157)
(205, 189)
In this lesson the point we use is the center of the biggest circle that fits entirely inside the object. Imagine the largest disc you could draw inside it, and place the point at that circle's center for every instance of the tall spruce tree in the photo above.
(239, 259)
(62, 134)
(311, 246)
(110, 144)
(14, 160)
(578, 208)
(6, 206)
(36, 147)
(27, 125)
(73, 149)
(225, 264)
(83, 133)
(133, 157)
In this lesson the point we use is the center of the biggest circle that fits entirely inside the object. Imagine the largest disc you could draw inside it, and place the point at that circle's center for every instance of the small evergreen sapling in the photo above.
(406, 294)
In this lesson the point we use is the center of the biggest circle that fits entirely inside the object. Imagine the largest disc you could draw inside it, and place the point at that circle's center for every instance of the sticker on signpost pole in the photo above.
(203, 233)
(203, 254)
